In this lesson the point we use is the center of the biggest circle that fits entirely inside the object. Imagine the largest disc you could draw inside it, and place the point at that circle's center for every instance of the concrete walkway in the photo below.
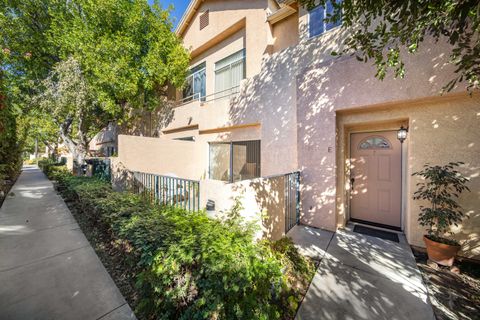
(361, 277)
(48, 270)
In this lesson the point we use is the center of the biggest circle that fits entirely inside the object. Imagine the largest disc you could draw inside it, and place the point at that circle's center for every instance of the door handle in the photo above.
(352, 181)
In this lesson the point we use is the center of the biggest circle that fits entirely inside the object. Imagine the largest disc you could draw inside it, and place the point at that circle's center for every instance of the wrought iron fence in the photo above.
(292, 200)
(100, 168)
(170, 191)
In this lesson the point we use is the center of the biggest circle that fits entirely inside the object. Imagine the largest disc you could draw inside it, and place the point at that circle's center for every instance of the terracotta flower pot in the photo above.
(441, 253)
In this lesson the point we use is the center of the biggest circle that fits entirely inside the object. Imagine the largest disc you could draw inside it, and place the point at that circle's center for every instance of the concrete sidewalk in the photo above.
(48, 270)
(361, 277)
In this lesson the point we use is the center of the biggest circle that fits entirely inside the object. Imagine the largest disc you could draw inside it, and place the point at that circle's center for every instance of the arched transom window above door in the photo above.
(374, 142)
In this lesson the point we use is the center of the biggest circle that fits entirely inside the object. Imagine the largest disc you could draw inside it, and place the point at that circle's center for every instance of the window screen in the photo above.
(235, 161)
(219, 167)
(317, 24)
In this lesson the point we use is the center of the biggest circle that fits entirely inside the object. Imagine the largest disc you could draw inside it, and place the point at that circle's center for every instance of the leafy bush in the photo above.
(189, 266)
(441, 187)
(46, 165)
(10, 150)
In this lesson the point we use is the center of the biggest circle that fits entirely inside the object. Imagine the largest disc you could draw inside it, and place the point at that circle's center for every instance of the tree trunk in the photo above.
(77, 150)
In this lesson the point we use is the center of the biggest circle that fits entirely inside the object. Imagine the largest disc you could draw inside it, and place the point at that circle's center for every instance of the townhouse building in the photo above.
(265, 98)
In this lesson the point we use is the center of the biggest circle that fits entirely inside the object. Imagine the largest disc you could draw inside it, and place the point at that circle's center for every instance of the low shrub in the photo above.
(47, 164)
(189, 266)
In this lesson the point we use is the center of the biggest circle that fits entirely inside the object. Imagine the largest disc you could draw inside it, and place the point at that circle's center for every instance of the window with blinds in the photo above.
(229, 72)
(234, 161)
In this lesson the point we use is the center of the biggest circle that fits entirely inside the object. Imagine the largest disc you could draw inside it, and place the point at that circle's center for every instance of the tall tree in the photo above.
(126, 53)
(70, 101)
(126, 48)
(9, 153)
(382, 30)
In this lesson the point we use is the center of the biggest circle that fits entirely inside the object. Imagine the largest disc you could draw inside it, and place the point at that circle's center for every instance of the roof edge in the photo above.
(193, 6)
(187, 15)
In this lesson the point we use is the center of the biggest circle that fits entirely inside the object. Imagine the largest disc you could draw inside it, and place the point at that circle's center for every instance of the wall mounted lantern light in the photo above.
(402, 134)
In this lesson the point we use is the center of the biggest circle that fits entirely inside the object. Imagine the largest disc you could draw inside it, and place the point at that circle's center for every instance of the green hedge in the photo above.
(189, 266)
(10, 150)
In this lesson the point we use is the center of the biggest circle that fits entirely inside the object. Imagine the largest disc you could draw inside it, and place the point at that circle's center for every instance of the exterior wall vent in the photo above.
(204, 20)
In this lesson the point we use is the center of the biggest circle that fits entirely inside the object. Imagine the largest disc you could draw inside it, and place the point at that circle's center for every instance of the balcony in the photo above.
(210, 111)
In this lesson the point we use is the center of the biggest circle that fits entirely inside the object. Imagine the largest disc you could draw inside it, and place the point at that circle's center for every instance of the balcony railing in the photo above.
(169, 191)
(194, 97)
(211, 97)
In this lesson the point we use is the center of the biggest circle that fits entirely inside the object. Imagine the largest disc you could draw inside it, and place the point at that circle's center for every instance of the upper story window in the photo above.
(204, 19)
(229, 72)
(316, 19)
(195, 86)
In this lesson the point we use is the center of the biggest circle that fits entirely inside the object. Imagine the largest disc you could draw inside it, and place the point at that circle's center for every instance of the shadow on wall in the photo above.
(468, 232)
(149, 123)
(295, 98)
(441, 134)
(262, 201)
(122, 178)
(270, 197)
(271, 99)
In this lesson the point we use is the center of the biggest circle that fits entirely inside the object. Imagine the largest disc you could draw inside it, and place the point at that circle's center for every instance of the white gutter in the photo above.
(191, 9)
(280, 14)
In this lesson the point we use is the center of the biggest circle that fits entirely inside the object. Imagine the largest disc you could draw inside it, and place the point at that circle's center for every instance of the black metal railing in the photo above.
(166, 190)
(292, 200)
(100, 168)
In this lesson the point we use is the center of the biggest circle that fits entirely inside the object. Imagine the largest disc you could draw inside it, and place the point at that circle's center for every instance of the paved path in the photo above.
(361, 277)
(48, 270)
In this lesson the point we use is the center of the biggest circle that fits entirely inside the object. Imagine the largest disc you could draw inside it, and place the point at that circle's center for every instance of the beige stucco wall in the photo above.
(329, 86)
(262, 199)
(185, 159)
(285, 33)
(345, 83)
(222, 15)
(297, 94)
(159, 156)
(441, 130)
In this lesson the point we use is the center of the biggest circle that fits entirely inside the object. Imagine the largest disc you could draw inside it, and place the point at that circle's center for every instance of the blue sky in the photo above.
(179, 8)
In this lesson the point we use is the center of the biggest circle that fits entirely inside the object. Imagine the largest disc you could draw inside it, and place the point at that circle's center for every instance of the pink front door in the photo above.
(376, 178)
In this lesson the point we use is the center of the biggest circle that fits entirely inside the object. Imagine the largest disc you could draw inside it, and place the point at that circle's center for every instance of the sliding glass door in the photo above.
(234, 161)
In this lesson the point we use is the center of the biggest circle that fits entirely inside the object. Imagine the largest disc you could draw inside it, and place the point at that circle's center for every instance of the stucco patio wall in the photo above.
(262, 201)
(160, 156)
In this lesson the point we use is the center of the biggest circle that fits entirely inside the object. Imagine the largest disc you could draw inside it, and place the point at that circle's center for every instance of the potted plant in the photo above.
(441, 187)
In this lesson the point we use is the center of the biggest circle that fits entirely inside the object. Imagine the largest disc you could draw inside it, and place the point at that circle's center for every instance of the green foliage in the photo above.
(70, 104)
(189, 266)
(126, 48)
(10, 157)
(126, 53)
(441, 187)
(52, 168)
(383, 31)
